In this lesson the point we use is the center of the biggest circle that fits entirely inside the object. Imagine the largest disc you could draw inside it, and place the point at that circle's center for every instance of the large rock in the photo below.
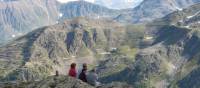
(60, 82)
(50, 82)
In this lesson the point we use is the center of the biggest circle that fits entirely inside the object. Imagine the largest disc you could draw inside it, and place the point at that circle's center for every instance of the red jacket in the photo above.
(72, 73)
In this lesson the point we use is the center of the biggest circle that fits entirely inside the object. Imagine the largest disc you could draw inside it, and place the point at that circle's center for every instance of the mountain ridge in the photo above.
(150, 10)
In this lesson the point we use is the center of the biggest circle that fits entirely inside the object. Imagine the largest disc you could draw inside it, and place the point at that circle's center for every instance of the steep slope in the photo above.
(149, 10)
(21, 16)
(186, 18)
(86, 9)
(172, 60)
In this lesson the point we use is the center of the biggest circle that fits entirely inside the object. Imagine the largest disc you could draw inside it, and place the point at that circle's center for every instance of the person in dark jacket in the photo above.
(85, 66)
(83, 73)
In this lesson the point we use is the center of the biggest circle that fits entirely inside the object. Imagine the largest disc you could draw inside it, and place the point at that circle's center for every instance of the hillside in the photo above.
(43, 51)
(172, 60)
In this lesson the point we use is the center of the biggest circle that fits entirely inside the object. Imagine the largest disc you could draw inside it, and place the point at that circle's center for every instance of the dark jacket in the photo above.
(82, 76)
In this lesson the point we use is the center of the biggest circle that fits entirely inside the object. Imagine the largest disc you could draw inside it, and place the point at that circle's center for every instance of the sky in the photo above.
(114, 4)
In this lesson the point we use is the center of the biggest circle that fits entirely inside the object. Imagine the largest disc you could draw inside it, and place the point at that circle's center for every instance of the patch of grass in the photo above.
(114, 70)
(91, 66)
(98, 56)
(133, 34)
(84, 51)
(128, 51)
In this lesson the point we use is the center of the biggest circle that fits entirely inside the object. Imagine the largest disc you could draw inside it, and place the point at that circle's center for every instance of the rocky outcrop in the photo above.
(50, 82)
(60, 82)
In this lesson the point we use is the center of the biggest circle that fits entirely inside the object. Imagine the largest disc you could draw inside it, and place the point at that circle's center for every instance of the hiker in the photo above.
(57, 73)
(82, 75)
(85, 66)
(72, 71)
(92, 78)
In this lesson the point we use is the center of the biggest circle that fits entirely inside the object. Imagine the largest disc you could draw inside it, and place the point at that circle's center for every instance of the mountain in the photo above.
(163, 53)
(86, 9)
(185, 18)
(113, 4)
(119, 4)
(173, 58)
(18, 17)
(149, 10)
(43, 51)
(16, 20)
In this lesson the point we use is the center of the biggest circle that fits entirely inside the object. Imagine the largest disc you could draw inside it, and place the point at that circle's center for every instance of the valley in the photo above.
(143, 47)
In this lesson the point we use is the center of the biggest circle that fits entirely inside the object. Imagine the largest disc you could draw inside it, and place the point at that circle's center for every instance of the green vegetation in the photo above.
(128, 52)
(184, 71)
(133, 34)
(114, 70)
(118, 60)
(84, 51)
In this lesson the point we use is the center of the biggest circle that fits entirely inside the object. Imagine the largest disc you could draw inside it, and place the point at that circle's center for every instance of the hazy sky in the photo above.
(115, 4)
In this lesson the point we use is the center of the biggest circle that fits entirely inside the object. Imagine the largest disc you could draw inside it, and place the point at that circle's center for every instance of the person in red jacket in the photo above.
(72, 71)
